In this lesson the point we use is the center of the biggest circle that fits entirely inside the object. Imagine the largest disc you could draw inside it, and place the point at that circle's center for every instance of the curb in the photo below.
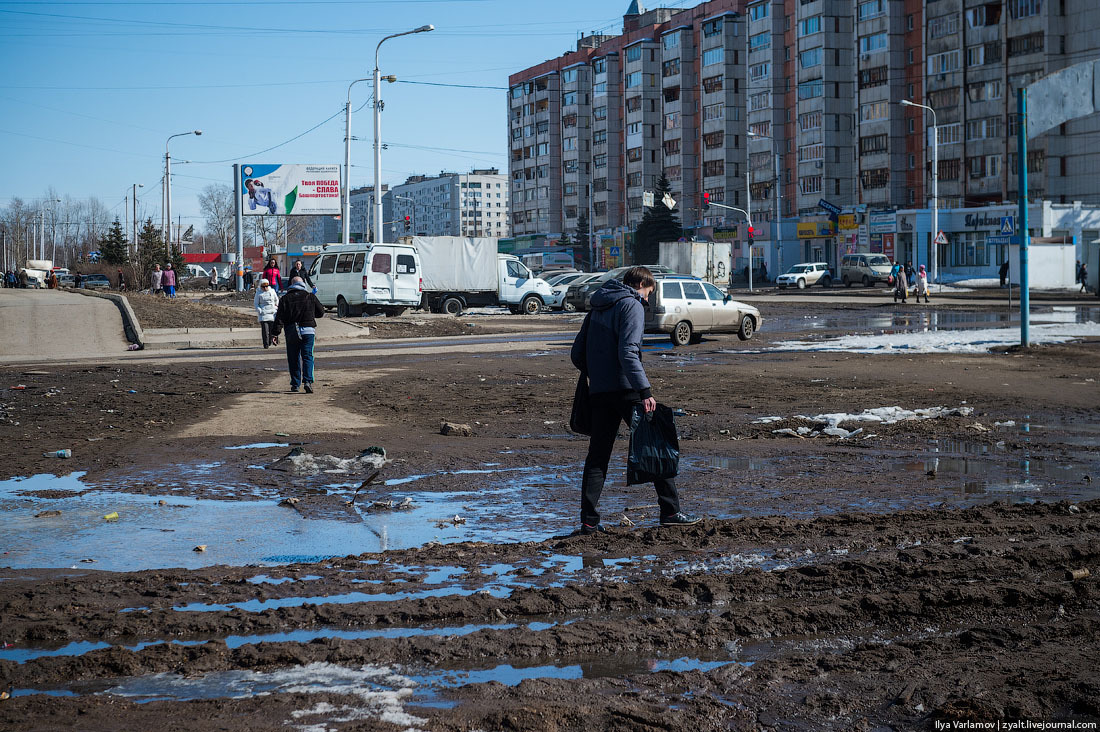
(130, 324)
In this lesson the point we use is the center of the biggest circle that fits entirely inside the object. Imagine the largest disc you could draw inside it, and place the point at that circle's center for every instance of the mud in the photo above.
(916, 576)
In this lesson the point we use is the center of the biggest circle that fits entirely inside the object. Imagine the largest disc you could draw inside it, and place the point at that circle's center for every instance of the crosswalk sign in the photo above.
(941, 238)
(1008, 225)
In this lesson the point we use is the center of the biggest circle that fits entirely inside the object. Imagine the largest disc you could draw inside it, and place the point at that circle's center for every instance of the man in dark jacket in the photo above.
(298, 312)
(609, 350)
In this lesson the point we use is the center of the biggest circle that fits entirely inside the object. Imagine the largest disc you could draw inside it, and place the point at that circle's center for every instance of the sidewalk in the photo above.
(329, 330)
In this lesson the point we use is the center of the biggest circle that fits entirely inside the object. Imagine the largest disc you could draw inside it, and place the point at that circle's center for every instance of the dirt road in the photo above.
(924, 570)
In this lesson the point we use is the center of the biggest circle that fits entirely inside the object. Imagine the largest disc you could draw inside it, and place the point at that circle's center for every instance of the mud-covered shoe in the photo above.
(308, 386)
(680, 519)
(293, 390)
(588, 529)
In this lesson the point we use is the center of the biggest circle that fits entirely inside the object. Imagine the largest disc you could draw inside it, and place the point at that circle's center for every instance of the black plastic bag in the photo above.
(654, 446)
(580, 419)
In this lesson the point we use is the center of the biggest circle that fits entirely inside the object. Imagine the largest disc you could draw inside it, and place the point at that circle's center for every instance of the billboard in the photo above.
(290, 190)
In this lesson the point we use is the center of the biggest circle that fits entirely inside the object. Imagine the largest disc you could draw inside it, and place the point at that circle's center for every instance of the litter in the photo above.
(199, 548)
(406, 504)
(625, 521)
(47, 514)
(1076, 574)
(59, 454)
(19, 387)
(112, 516)
(300, 463)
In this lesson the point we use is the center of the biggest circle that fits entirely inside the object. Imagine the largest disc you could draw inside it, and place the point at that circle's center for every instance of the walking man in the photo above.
(609, 350)
(298, 312)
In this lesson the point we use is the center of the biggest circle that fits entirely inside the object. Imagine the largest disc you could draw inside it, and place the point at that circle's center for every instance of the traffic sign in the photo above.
(998, 240)
(613, 251)
(831, 208)
(1008, 225)
(941, 238)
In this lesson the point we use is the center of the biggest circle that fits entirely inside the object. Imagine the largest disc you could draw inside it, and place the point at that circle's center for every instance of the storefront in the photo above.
(819, 242)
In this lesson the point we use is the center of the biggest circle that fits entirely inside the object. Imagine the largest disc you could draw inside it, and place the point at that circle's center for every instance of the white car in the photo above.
(806, 275)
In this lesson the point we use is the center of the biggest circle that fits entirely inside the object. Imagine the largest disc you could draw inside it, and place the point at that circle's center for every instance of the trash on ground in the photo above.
(450, 428)
(282, 434)
(58, 454)
(1076, 574)
(19, 387)
(978, 427)
(47, 514)
(289, 501)
(112, 516)
(880, 415)
(199, 548)
(625, 521)
(405, 504)
(301, 463)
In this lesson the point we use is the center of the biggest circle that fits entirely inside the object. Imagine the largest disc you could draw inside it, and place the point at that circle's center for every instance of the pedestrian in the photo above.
(168, 280)
(1004, 274)
(271, 274)
(121, 280)
(266, 303)
(910, 273)
(78, 280)
(1084, 277)
(922, 284)
(763, 272)
(213, 277)
(248, 278)
(156, 280)
(1077, 272)
(901, 285)
(298, 312)
(299, 270)
(608, 349)
(22, 279)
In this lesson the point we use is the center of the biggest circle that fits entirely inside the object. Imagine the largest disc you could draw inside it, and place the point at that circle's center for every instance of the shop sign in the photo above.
(848, 222)
(815, 229)
(883, 222)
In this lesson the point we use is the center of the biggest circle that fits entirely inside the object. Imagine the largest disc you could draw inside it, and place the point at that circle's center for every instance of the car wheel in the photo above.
(826, 281)
(847, 282)
(531, 305)
(568, 307)
(681, 334)
(452, 306)
(802, 284)
(866, 281)
(748, 327)
(341, 307)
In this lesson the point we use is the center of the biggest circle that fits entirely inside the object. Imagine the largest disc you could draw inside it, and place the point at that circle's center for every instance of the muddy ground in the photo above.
(922, 574)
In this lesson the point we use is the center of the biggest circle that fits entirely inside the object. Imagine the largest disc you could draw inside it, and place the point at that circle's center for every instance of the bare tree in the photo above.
(218, 208)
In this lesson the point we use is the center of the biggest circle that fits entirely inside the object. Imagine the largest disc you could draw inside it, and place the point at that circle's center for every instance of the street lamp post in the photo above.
(935, 184)
(168, 188)
(378, 235)
(345, 237)
(776, 226)
(133, 239)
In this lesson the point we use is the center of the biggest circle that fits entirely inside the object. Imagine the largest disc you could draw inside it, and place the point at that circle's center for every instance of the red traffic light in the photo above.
(752, 232)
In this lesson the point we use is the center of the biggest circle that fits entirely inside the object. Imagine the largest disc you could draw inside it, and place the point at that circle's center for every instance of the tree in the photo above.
(582, 238)
(113, 247)
(150, 251)
(659, 223)
(217, 206)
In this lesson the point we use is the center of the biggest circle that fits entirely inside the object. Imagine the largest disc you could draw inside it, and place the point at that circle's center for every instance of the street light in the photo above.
(168, 187)
(345, 237)
(776, 224)
(133, 240)
(935, 183)
(378, 235)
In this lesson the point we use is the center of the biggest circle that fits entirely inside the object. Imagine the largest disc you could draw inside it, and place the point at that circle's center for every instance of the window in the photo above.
(949, 134)
(760, 40)
(569, 143)
(759, 71)
(599, 113)
(944, 98)
(874, 111)
(671, 41)
(714, 167)
(809, 121)
(712, 84)
(600, 161)
(569, 120)
(759, 11)
(942, 63)
(872, 77)
(983, 15)
(811, 89)
(714, 56)
(975, 56)
(811, 152)
(872, 43)
(760, 161)
(328, 264)
(599, 137)
(670, 67)
(968, 249)
(949, 170)
(517, 91)
(811, 58)
(515, 269)
(871, 9)
(672, 147)
(634, 155)
(763, 129)
(633, 104)
(712, 112)
(809, 26)
(672, 172)
(569, 76)
(877, 178)
(634, 80)
(1024, 8)
(759, 101)
(357, 264)
(406, 264)
(944, 25)
(983, 91)
(380, 263)
(810, 184)
(693, 291)
(542, 127)
(717, 195)
(713, 140)
(1023, 45)
(712, 27)
(543, 148)
(672, 120)
(873, 144)
(600, 66)
(671, 291)
(634, 53)
(980, 129)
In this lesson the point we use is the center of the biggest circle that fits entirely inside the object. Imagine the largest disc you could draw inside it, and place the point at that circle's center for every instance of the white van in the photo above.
(367, 278)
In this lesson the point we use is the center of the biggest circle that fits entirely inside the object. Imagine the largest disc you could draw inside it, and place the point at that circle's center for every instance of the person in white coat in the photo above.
(266, 303)
(213, 277)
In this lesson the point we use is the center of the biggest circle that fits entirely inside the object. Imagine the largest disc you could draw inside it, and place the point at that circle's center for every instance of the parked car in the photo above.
(866, 269)
(583, 298)
(358, 278)
(95, 282)
(66, 280)
(574, 292)
(685, 307)
(552, 273)
(806, 275)
(563, 279)
(559, 288)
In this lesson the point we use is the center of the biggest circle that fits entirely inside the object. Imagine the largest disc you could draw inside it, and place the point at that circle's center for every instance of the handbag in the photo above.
(654, 446)
(580, 417)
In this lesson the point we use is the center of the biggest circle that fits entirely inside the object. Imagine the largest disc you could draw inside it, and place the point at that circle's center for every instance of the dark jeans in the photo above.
(265, 332)
(608, 412)
(299, 356)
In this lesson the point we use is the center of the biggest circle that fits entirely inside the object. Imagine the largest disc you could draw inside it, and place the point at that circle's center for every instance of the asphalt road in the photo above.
(58, 325)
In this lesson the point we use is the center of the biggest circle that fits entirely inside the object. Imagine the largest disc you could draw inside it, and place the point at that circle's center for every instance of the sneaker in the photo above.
(680, 519)
(588, 529)
(308, 386)
(294, 390)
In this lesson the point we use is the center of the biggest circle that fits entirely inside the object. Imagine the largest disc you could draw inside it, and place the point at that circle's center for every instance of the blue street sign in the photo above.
(614, 251)
(1000, 240)
(834, 210)
(1008, 225)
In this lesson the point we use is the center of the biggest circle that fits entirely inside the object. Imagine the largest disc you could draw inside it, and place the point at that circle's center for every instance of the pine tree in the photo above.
(150, 251)
(113, 248)
(582, 239)
(659, 223)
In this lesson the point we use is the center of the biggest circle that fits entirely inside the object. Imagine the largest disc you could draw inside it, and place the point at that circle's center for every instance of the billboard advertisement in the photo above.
(290, 190)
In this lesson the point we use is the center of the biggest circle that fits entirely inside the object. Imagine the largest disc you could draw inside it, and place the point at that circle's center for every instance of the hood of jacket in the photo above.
(299, 286)
(612, 292)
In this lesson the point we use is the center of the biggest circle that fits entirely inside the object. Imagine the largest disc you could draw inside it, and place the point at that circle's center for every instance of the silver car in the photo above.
(686, 308)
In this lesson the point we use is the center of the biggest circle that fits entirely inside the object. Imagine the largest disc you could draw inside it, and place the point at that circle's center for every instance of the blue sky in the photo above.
(93, 89)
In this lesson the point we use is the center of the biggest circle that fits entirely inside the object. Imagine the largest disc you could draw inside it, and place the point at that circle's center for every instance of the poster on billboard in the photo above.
(290, 190)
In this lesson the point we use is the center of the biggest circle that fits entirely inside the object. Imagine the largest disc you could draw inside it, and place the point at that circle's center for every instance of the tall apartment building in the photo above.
(803, 96)
(452, 204)
(362, 214)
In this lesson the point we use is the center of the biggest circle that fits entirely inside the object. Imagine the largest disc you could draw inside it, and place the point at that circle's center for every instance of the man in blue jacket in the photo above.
(609, 349)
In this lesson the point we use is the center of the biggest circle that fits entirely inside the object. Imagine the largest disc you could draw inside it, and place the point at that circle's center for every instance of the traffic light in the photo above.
(752, 233)
(408, 223)
(706, 201)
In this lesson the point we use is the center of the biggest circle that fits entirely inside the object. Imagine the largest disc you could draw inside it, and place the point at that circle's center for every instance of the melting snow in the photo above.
(945, 341)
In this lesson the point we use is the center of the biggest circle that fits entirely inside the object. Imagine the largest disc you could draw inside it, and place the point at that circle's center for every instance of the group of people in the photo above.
(13, 279)
(163, 281)
(901, 275)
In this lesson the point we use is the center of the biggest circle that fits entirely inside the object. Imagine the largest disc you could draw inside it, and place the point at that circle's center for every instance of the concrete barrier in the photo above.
(130, 323)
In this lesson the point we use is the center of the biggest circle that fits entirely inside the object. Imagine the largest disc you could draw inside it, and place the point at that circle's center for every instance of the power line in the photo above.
(456, 86)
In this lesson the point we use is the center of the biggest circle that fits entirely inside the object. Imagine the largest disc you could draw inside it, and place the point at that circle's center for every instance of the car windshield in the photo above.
(800, 268)
(879, 261)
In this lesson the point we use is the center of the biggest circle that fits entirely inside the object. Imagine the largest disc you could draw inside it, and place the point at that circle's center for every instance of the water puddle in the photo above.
(257, 606)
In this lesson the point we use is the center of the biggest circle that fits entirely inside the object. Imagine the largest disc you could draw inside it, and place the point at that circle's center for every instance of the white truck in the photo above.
(463, 272)
(36, 270)
(707, 260)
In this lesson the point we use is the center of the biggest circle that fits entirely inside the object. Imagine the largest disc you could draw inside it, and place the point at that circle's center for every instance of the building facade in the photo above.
(451, 204)
(775, 105)
(362, 214)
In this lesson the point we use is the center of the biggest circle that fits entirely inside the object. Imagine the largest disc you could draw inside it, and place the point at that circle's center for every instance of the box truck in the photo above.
(464, 272)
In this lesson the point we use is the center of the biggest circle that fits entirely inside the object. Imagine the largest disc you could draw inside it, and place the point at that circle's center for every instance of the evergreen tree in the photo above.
(150, 251)
(113, 248)
(177, 261)
(659, 223)
(583, 238)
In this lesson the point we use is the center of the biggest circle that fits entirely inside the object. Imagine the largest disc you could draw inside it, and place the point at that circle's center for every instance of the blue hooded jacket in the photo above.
(609, 346)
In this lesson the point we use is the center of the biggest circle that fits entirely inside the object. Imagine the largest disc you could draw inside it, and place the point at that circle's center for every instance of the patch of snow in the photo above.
(944, 341)
(888, 415)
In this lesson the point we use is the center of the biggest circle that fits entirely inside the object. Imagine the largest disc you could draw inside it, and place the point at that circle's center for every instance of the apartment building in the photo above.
(452, 204)
(790, 102)
(362, 214)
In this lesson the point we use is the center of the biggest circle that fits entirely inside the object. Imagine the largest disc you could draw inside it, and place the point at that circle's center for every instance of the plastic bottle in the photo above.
(59, 454)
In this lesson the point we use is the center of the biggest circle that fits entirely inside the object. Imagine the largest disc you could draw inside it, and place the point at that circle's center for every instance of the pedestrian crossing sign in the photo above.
(941, 238)
(1008, 225)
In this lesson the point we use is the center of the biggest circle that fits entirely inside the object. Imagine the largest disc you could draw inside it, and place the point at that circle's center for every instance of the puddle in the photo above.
(258, 446)
(263, 579)
(256, 606)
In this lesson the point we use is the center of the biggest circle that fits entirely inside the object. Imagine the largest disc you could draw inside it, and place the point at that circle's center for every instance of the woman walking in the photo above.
(168, 281)
(299, 270)
(901, 285)
(922, 284)
(266, 303)
(271, 274)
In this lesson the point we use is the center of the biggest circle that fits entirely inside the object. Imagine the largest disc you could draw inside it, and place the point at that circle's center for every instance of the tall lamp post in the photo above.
(168, 188)
(776, 227)
(378, 235)
(133, 239)
(345, 237)
(935, 184)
